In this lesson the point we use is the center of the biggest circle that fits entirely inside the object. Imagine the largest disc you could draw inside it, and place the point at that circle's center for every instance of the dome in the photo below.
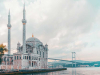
(32, 39)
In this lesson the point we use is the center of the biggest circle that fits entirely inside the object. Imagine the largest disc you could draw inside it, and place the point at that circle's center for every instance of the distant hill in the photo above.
(79, 62)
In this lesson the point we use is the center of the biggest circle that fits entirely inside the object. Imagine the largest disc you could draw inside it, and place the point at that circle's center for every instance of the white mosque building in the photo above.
(31, 55)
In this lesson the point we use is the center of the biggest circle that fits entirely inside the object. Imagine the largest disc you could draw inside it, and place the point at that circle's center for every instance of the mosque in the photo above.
(31, 55)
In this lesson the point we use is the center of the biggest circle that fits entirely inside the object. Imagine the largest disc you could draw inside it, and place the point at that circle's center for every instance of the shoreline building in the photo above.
(31, 55)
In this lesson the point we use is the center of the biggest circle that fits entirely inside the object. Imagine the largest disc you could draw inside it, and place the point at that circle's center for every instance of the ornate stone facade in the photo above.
(31, 55)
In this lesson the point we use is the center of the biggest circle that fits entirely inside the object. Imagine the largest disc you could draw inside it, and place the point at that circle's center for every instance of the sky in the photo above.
(65, 25)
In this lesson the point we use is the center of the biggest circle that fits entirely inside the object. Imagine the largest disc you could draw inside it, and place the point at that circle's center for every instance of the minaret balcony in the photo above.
(23, 21)
(8, 25)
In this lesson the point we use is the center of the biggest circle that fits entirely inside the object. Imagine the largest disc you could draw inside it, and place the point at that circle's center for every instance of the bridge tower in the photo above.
(74, 58)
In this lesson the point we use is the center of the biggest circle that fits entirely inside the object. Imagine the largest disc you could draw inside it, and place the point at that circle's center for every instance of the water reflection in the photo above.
(73, 71)
(54, 73)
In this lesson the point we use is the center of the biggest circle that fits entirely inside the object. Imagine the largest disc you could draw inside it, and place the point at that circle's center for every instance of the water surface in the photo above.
(74, 71)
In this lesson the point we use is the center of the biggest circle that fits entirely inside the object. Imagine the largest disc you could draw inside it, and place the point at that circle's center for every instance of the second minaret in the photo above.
(24, 30)
(9, 27)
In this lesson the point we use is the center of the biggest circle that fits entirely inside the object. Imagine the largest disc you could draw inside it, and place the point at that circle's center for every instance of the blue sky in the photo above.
(65, 25)
(94, 3)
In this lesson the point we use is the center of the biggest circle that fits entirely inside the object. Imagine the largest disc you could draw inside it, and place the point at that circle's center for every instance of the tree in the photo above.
(3, 49)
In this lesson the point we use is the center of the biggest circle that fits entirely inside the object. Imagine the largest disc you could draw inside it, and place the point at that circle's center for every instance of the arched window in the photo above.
(29, 57)
(39, 59)
(32, 57)
(20, 57)
(7, 59)
(40, 53)
(25, 57)
(17, 57)
(43, 54)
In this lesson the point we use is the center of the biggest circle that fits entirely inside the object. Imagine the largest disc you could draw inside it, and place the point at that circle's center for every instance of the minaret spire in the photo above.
(9, 17)
(9, 11)
(24, 11)
(9, 27)
(24, 30)
(24, 4)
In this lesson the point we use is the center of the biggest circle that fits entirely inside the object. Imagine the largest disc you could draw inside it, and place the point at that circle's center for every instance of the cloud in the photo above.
(62, 24)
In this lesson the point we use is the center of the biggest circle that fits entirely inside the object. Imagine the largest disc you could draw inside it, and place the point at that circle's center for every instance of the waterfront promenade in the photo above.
(31, 71)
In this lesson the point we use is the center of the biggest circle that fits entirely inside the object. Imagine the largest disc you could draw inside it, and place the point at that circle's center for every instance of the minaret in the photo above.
(24, 30)
(9, 26)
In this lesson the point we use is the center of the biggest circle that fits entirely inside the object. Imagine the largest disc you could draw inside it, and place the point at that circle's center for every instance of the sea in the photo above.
(73, 71)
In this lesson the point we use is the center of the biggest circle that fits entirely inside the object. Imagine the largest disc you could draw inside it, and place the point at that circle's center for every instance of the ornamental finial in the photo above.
(32, 35)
